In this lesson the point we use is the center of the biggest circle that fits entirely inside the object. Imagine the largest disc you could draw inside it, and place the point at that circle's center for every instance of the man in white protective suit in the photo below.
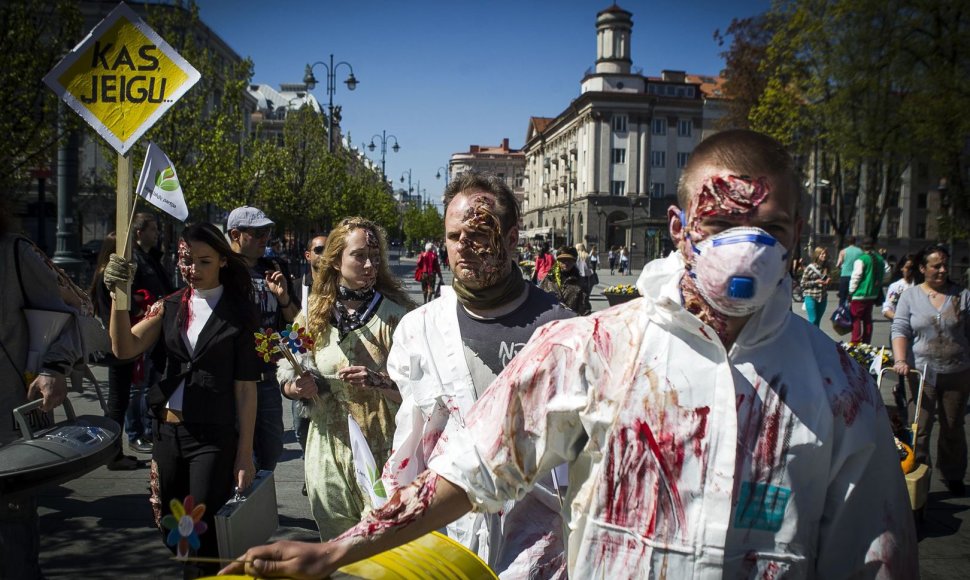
(446, 354)
(709, 431)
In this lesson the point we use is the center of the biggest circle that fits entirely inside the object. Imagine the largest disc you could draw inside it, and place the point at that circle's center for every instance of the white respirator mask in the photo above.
(738, 270)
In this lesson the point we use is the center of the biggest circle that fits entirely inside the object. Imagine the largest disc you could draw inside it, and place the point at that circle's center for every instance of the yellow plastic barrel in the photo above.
(431, 557)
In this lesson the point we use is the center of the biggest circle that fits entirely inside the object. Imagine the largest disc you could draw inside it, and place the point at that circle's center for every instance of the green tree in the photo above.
(832, 95)
(35, 37)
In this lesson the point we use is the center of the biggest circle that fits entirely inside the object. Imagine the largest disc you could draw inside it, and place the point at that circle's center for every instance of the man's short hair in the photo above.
(745, 152)
(141, 221)
(507, 207)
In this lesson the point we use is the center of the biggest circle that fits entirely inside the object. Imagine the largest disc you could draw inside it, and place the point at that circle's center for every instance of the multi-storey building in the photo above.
(605, 170)
(507, 163)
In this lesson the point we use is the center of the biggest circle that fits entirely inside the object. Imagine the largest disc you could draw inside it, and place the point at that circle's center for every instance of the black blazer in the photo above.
(224, 353)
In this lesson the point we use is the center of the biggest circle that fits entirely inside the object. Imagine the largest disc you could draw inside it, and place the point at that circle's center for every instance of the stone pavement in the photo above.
(100, 525)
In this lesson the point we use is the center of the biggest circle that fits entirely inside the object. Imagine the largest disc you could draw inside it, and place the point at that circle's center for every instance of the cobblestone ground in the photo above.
(100, 525)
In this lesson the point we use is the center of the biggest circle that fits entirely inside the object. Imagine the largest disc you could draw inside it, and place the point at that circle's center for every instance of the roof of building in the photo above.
(711, 86)
(268, 98)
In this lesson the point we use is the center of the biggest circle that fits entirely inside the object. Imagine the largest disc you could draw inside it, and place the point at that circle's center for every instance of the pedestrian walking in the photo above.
(583, 268)
(624, 261)
(544, 263)
(447, 353)
(248, 229)
(906, 276)
(119, 372)
(815, 283)
(313, 252)
(865, 287)
(427, 271)
(355, 307)
(931, 330)
(566, 284)
(612, 256)
(847, 257)
(205, 406)
(697, 445)
(594, 258)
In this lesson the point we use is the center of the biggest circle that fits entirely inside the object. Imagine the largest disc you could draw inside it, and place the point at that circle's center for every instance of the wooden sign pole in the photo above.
(123, 223)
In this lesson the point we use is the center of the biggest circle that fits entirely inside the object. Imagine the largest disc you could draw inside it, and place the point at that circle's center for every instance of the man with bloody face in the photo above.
(708, 430)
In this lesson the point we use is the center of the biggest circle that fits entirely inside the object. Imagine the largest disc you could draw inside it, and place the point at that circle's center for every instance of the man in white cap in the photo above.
(248, 229)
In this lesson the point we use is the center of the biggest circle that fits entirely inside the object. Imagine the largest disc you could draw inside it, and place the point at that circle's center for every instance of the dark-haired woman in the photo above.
(931, 328)
(354, 308)
(210, 377)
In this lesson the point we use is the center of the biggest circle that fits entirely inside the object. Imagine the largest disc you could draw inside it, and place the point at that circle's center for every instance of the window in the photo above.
(619, 123)
(658, 159)
(921, 202)
(684, 128)
(657, 189)
(682, 160)
(619, 155)
(617, 187)
(519, 180)
(660, 126)
(921, 230)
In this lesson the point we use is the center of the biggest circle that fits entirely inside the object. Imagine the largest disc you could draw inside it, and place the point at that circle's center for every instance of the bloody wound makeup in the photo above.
(488, 244)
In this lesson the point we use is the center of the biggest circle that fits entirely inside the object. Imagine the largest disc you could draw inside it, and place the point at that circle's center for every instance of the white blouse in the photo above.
(201, 305)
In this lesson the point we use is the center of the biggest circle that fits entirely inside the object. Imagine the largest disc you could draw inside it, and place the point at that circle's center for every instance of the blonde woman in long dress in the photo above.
(352, 312)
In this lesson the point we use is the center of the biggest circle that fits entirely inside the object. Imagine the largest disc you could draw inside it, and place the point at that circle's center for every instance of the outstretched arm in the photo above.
(428, 503)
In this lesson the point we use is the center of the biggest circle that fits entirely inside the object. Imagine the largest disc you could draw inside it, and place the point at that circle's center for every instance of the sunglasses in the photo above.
(318, 250)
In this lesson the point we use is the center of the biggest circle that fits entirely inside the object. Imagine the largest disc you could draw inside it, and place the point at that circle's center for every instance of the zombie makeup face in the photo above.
(724, 200)
(478, 252)
(199, 264)
(360, 260)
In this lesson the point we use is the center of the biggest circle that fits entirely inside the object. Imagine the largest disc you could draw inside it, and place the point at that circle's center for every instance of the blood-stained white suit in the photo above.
(772, 460)
(523, 539)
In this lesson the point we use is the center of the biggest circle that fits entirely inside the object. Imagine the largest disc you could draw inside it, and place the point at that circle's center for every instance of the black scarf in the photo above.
(496, 295)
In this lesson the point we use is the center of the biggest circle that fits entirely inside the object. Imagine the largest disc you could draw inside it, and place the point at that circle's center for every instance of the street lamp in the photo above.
(311, 81)
(408, 173)
(395, 148)
(438, 175)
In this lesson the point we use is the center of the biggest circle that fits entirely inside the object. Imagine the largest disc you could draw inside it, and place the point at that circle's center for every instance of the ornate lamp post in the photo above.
(442, 170)
(311, 81)
(383, 137)
(408, 173)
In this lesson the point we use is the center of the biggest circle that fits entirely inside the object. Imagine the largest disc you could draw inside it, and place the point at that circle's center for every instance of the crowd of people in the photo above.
(672, 434)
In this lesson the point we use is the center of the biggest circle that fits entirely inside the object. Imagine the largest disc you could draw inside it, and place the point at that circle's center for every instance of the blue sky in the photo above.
(443, 75)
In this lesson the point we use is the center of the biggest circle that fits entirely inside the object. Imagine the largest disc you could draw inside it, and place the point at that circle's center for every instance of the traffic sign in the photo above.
(122, 78)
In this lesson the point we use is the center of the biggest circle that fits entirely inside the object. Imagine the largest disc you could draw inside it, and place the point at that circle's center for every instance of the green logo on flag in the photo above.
(166, 180)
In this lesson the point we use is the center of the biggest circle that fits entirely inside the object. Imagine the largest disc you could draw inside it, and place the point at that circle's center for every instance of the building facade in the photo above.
(508, 164)
(605, 170)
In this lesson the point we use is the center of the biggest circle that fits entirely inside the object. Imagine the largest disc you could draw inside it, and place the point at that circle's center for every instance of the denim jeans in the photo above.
(138, 425)
(268, 437)
(19, 539)
(815, 309)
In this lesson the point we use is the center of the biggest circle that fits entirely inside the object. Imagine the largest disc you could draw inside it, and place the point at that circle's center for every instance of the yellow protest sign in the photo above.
(122, 78)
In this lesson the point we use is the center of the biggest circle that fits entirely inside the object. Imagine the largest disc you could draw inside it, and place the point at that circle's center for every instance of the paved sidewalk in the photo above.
(100, 525)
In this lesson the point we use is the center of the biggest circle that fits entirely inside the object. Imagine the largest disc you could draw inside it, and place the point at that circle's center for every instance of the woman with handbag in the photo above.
(815, 282)
(205, 406)
(354, 308)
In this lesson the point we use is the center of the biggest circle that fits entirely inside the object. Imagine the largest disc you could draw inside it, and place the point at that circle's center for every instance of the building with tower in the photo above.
(605, 170)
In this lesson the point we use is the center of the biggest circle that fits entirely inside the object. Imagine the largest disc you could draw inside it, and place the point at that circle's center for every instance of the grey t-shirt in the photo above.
(490, 343)
(940, 338)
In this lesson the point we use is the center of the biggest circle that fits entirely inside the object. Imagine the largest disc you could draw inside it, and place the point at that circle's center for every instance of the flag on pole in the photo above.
(159, 184)
(365, 468)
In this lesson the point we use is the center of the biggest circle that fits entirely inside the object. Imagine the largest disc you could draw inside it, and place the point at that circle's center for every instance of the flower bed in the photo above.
(865, 353)
(620, 293)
